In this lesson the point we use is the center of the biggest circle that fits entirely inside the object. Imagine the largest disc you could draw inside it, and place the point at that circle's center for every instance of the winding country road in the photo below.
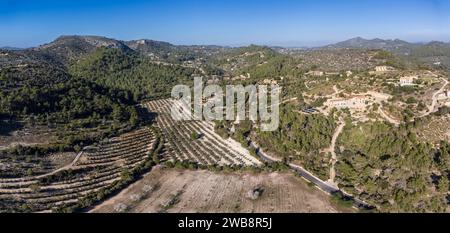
(323, 185)
(332, 150)
(429, 111)
(23, 180)
(67, 167)
(434, 101)
(300, 170)
(387, 117)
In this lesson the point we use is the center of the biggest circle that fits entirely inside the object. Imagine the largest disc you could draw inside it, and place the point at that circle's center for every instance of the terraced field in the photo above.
(208, 149)
(101, 166)
(93, 169)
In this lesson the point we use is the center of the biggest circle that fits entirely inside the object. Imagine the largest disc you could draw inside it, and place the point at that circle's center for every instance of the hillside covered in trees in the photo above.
(122, 70)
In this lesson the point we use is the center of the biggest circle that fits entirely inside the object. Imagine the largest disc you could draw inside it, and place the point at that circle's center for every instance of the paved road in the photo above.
(304, 173)
(325, 186)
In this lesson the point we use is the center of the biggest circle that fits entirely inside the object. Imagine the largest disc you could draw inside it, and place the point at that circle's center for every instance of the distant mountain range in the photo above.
(152, 46)
(70, 48)
(397, 46)
(56, 58)
(433, 53)
(360, 42)
(67, 48)
(10, 48)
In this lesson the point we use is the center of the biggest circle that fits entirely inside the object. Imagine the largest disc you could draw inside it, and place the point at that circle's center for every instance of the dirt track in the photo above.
(170, 190)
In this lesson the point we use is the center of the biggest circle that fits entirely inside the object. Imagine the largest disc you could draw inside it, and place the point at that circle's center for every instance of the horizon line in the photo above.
(294, 44)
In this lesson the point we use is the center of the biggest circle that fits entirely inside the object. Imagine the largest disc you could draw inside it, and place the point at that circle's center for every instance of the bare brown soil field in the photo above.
(188, 191)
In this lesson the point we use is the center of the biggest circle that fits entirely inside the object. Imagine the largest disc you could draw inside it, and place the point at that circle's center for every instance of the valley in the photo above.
(86, 126)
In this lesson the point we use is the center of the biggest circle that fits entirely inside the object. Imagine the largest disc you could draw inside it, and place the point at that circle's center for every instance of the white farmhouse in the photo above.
(356, 102)
(407, 81)
(315, 73)
(384, 68)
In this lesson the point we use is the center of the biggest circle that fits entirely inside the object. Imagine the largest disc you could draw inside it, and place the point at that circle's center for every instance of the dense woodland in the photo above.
(124, 70)
(393, 169)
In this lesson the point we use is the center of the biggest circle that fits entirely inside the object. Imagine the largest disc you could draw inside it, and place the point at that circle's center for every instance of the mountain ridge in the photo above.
(377, 43)
(140, 44)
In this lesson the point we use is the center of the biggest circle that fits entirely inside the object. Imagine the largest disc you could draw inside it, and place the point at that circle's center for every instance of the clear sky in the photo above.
(27, 23)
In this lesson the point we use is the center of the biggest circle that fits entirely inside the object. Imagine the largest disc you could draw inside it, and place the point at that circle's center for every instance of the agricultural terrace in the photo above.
(93, 170)
(196, 141)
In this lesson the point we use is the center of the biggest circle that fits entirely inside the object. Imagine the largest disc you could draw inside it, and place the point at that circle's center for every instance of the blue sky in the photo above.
(225, 22)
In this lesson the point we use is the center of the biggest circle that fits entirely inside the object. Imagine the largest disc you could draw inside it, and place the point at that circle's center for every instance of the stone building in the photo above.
(355, 102)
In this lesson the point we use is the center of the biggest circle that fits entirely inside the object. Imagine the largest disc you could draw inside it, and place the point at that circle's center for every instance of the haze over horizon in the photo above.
(285, 23)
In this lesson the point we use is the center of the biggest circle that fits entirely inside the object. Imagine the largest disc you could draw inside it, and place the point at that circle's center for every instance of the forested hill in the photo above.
(87, 60)
(88, 82)
(78, 84)
(125, 70)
